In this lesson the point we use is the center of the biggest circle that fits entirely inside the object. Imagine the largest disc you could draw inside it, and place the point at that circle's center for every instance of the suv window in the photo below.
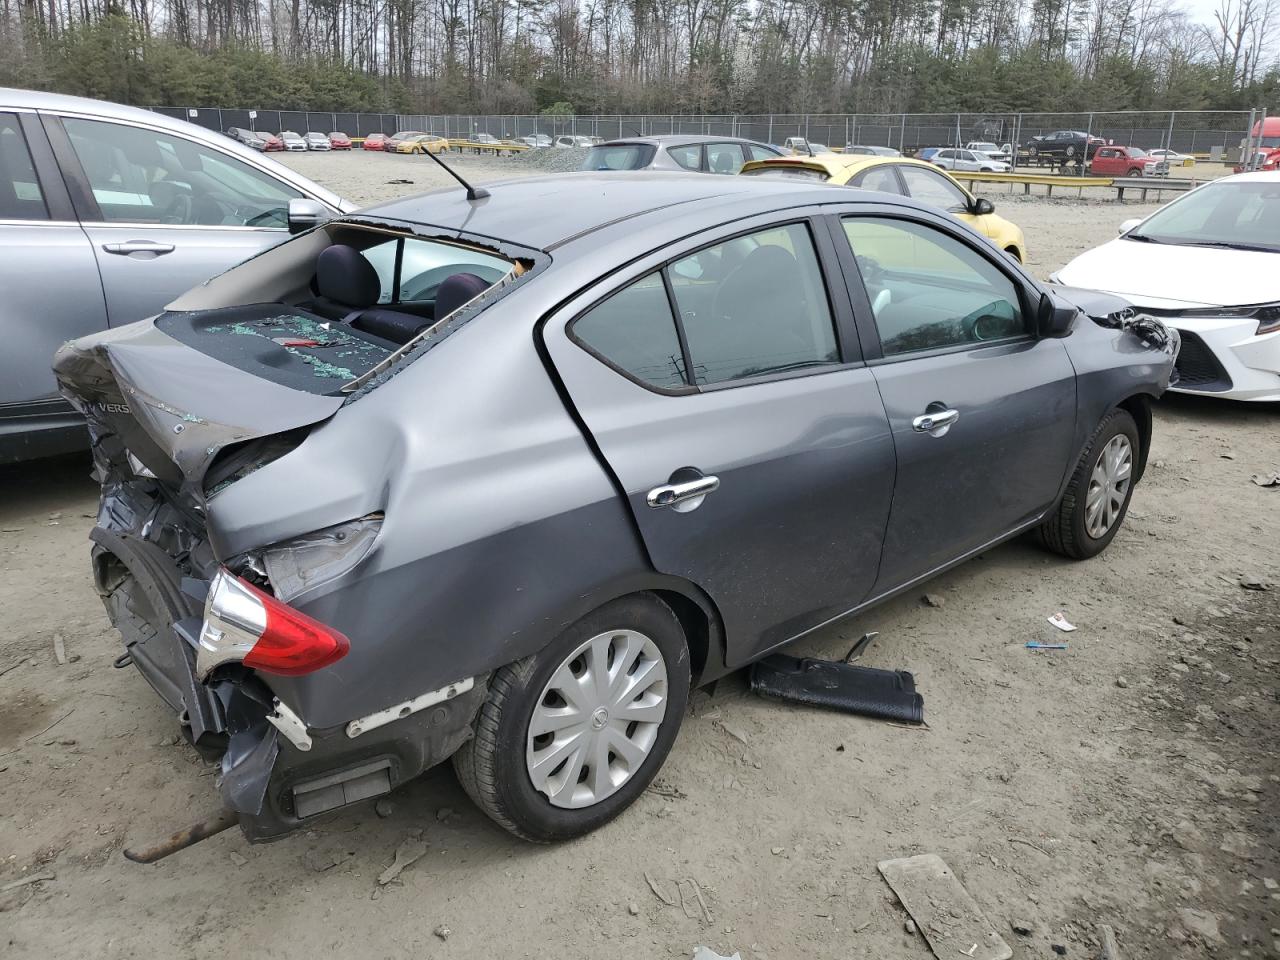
(934, 188)
(634, 331)
(20, 196)
(880, 178)
(144, 176)
(689, 156)
(928, 290)
(724, 157)
(754, 305)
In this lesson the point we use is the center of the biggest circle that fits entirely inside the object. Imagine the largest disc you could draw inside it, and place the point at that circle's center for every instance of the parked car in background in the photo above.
(903, 177)
(701, 154)
(293, 141)
(254, 141)
(1063, 146)
(719, 419)
(394, 141)
(1264, 140)
(954, 158)
(1126, 162)
(927, 153)
(536, 140)
(273, 143)
(872, 151)
(422, 143)
(374, 141)
(106, 214)
(1262, 160)
(318, 141)
(339, 141)
(484, 138)
(799, 146)
(986, 148)
(1172, 157)
(573, 142)
(1208, 263)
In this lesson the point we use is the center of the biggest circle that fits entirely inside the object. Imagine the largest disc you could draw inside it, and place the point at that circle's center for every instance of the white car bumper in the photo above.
(1227, 358)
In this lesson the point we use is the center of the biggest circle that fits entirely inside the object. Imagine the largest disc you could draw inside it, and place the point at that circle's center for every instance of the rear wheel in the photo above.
(570, 737)
(1097, 496)
(1134, 173)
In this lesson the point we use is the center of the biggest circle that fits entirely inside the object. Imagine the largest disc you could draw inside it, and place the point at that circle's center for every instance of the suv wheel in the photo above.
(1134, 172)
(1071, 151)
(1097, 496)
(568, 738)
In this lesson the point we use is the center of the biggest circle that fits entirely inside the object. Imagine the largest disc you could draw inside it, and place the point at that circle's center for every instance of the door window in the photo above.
(754, 305)
(724, 157)
(689, 157)
(934, 189)
(929, 291)
(144, 176)
(635, 332)
(880, 178)
(20, 196)
(759, 153)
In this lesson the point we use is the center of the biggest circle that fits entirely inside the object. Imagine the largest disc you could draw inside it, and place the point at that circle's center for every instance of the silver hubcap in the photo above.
(597, 719)
(1108, 486)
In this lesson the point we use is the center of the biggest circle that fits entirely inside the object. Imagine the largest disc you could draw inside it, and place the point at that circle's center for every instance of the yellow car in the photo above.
(423, 143)
(905, 177)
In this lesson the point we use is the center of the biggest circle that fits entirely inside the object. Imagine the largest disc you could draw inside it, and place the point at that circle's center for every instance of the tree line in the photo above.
(648, 56)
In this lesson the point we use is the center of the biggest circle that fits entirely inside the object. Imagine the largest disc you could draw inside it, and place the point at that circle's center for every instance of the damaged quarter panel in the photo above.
(499, 525)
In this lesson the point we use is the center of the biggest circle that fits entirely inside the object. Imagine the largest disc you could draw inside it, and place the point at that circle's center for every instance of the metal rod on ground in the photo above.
(185, 838)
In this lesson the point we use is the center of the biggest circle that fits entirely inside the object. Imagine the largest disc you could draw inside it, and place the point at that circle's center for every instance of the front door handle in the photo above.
(138, 246)
(936, 422)
(683, 496)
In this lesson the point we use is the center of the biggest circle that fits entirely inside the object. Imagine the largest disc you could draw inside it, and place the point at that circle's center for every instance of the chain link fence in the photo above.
(1218, 134)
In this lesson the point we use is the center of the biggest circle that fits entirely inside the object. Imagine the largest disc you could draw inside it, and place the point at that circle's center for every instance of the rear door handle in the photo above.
(688, 494)
(138, 246)
(936, 422)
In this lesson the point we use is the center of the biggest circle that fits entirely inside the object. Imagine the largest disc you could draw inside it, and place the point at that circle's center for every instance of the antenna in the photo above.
(473, 193)
(809, 146)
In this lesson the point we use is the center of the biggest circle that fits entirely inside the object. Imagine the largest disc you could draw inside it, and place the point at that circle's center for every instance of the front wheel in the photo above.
(569, 737)
(1097, 496)
(1134, 173)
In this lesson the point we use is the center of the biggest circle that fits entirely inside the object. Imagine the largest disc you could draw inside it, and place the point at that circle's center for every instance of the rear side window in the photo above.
(754, 305)
(424, 265)
(880, 178)
(759, 153)
(689, 157)
(20, 196)
(934, 189)
(634, 331)
(724, 158)
(625, 156)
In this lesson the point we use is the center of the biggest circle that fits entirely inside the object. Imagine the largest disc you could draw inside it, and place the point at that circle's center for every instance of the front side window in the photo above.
(934, 189)
(880, 178)
(929, 291)
(754, 305)
(689, 156)
(20, 196)
(144, 176)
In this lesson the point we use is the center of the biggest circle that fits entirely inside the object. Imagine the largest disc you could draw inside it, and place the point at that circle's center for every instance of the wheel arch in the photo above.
(1138, 406)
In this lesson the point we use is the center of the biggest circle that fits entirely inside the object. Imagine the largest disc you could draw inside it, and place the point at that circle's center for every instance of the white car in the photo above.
(537, 140)
(570, 143)
(988, 149)
(954, 158)
(318, 141)
(293, 141)
(1207, 263)
(1174, 158)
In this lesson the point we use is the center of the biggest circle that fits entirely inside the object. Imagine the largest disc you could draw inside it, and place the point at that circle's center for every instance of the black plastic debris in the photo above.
(888, 694)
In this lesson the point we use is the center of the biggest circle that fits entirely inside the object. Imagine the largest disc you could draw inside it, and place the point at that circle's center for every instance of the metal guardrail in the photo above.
(1143, 185)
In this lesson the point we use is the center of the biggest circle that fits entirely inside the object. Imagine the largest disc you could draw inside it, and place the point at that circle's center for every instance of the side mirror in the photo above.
(1054, 319)
(1129, 225)
(305, 214)
(982, 206)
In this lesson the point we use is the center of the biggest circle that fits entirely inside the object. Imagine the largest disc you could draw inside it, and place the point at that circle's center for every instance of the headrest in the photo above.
(455, 290)
(342, 274)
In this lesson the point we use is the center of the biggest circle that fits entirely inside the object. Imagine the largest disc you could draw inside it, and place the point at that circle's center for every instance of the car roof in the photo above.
(546, 212)
(676, 139)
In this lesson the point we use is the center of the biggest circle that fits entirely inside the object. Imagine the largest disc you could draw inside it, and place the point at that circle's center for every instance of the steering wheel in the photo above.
(179, 209)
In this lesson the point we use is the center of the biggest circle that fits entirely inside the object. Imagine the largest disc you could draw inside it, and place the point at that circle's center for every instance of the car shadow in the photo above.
(51, 484)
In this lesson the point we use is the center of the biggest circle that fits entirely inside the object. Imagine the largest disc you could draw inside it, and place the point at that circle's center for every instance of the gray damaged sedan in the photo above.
(499, 479)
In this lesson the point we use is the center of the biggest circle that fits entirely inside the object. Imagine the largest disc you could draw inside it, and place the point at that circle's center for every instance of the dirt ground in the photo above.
(1130, 780)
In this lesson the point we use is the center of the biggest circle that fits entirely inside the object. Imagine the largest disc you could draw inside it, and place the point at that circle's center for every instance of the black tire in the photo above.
(1071, 152)
(492, 767)
(1033, 152)
(1065, 531)
(1134, 173)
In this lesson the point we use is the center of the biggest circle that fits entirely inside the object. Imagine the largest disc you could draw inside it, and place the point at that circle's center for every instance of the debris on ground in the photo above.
(858, 649)
(933, 600)
(1037, 645)
(408, 853)
(888, 694)
(442, 932)
(1266, 479)
(59, 649)
(944, 912)
(1110, 949)
(659, 892)
(694, 897)
(1060, 621)
(1255, 583)
(1021, 927)
(25, 881)
(706, 953)
(383, 807)
(633, 909)
(237, 859)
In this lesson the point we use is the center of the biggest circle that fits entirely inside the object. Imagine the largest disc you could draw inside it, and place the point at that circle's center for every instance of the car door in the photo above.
(747, 435)
(50, 281)
(163, 212)
(982, 411)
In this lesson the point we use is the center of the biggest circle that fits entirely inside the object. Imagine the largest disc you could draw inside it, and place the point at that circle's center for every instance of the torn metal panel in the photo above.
(311, 561)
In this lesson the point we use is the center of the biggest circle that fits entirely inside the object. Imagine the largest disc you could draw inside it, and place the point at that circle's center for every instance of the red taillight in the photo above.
(244, 624)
